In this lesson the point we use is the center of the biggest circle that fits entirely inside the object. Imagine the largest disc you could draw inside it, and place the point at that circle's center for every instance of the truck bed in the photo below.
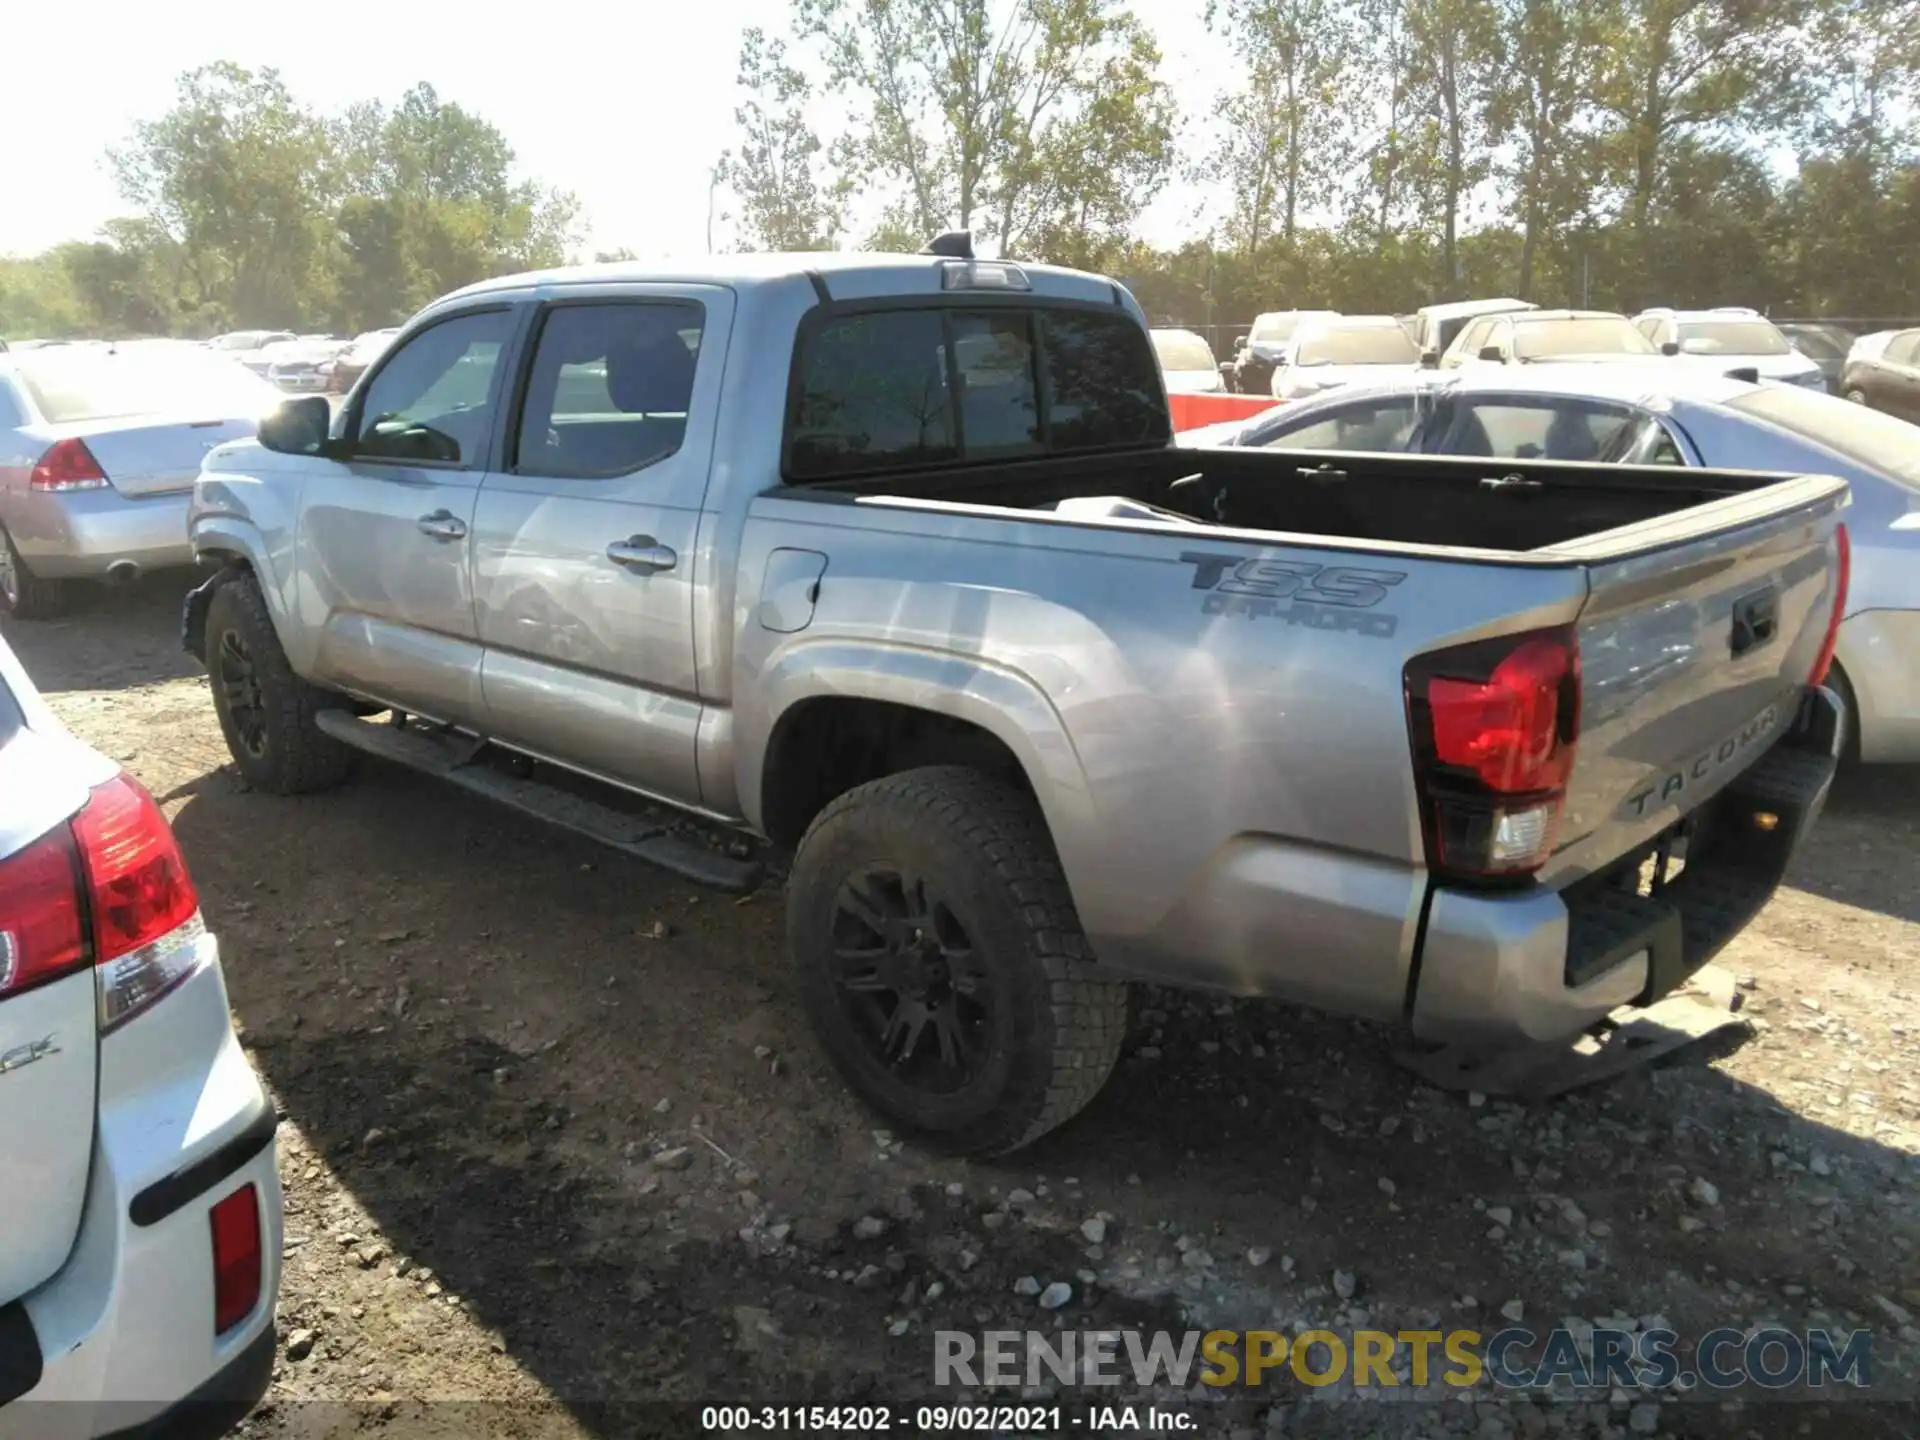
(1502, 505)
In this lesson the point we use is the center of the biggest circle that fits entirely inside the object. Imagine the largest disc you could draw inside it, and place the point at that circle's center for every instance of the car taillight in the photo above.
(42, 928)
(1494, 724)
(146, 914)
(67, 465)
(1843, 575)
(236, 1258)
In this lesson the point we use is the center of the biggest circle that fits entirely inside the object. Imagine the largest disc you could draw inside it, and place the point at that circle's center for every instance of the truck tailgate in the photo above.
(1694, 650)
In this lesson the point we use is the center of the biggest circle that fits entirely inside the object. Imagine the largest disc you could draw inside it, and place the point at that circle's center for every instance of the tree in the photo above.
(1555, 50)
(1456, 60)
(235, 175)
(1685, 69)
(1024, 120)
(783, 203)
(1286, 127)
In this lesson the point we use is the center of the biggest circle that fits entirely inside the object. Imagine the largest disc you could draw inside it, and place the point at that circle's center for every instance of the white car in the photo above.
(1187, 363)
(1325, 354)
(140, 1245)
(1730, 337)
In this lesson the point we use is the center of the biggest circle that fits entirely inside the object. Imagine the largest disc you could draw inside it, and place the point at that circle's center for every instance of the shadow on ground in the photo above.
(480, 990)
(115, 638)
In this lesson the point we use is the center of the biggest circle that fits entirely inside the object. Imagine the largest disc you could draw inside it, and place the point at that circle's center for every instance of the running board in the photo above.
(448, 759)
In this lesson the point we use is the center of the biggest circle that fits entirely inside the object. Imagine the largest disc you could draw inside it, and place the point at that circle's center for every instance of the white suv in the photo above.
(140, 1224)
(1731, 336)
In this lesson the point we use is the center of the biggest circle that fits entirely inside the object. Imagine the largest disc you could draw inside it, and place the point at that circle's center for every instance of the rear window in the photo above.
(69, 385)
(1182, 350)
(1867, 437)
(894, 389)
(1542, 338)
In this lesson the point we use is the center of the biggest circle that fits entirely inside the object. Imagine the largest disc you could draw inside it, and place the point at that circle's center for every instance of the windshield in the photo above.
(1182, 350)
(1272, 329)
(1373, 345)
(70, 385)
(1732, 337)
(1609, 335)
(1871, 438)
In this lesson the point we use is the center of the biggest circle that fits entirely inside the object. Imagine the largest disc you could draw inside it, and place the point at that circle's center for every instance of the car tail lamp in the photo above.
(1842, 577)
(42, 924)
(1494, 724)
(146, 914)
(236, 1258)
(67, 465)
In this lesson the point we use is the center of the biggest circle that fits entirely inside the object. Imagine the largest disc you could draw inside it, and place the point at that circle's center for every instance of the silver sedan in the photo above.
(99, 449)
(1664, 415)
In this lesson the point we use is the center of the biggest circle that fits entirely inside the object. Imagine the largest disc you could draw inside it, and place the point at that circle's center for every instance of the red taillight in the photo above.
(236, 1258)
(42, 930)
(1843, 574)
(67, 465)
(136, 875)
(1494, 725)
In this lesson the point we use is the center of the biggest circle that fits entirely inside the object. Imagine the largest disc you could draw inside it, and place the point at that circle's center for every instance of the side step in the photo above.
(648, 840)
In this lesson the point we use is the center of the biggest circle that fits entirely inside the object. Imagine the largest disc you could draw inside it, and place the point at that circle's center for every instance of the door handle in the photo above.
(642, 553)
(442, 525)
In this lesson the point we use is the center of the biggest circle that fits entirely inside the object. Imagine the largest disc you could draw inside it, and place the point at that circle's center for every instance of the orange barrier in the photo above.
(1190, 412)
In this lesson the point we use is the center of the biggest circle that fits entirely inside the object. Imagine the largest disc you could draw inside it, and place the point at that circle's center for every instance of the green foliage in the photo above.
(252, 210)
(1041, 125)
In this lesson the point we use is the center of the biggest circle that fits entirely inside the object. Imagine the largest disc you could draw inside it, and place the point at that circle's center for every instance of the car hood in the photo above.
(1767, 367)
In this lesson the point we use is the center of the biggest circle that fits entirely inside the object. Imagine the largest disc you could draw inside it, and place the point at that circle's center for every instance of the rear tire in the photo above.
(24, 595)
(266, 711)
(942, 964)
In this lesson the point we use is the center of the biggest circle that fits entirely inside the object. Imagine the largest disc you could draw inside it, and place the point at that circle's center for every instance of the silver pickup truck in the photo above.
(889, 561)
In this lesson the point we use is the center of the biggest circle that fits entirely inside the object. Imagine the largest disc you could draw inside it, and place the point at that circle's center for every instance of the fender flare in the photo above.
(1005, 703)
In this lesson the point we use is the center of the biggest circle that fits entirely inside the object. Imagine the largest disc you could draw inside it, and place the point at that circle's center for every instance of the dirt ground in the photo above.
(556, 1139)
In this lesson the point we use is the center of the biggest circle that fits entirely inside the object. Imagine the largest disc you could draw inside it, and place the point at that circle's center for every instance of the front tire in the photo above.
(1858, 397)
(942, 964)
(267, 712)
(24, 595)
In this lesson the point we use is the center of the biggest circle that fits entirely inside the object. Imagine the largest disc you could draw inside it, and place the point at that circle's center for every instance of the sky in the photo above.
(625, 104)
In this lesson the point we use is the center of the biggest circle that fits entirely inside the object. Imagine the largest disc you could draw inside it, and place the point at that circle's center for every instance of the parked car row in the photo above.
(1655, 414)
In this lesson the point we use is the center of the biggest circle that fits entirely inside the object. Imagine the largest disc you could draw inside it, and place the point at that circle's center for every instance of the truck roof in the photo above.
(849, 275)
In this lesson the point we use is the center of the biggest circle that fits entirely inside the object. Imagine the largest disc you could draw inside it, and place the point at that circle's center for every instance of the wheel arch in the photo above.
(871, 710)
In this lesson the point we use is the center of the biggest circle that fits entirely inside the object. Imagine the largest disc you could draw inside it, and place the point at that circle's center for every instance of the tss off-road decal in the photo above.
(1322, 597)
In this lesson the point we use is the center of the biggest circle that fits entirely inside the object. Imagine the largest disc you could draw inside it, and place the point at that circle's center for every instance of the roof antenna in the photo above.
(954, 244)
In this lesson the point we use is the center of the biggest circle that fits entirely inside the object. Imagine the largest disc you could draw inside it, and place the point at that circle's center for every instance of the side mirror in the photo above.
(1492, 352)
(1669, 347)
(298, 427)
(1430, 359)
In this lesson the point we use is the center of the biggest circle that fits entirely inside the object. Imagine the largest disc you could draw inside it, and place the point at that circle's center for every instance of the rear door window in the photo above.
(1523, 429)
(609, 388)
(899, 388)
(1377, 425)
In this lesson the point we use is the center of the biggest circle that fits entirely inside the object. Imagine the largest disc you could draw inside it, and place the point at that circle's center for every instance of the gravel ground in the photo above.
(556, 1137)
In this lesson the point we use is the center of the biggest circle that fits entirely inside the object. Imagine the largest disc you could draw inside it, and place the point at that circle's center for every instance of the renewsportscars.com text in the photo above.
(1512, 1358)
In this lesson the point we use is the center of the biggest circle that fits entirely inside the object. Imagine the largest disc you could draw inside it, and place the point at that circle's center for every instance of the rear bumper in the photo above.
(125, 1328)
(85, 534)
(1880, 652)
(1541, 966)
